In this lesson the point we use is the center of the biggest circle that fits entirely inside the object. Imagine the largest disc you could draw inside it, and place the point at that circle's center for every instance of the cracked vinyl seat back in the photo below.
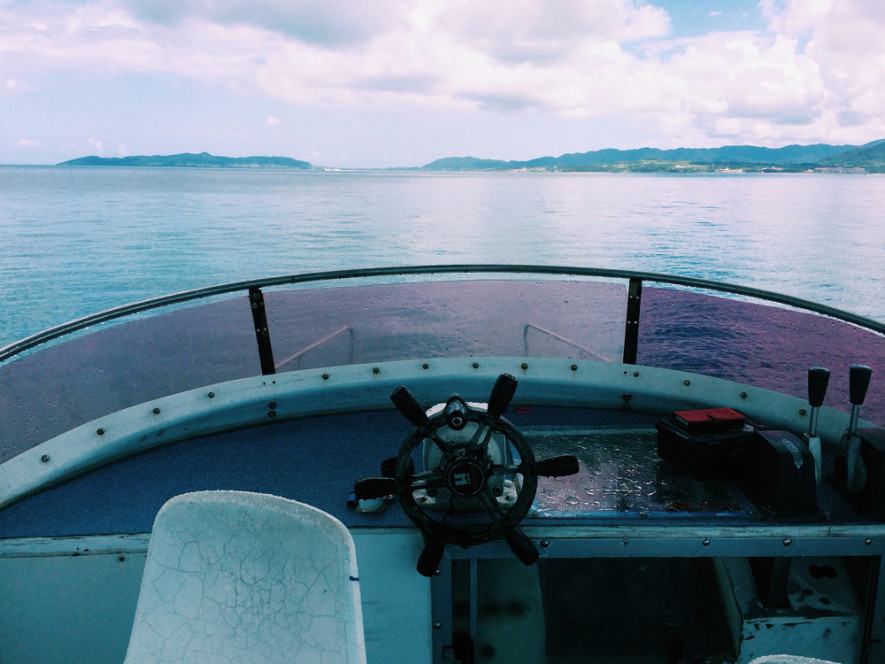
(233, 576)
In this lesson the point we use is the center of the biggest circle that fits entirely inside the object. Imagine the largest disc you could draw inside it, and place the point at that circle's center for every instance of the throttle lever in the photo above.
(558, 466)
(858, 381)
(818, 379)
(849, 459)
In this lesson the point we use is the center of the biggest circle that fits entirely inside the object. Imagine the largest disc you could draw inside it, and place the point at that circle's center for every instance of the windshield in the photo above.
(54, 388)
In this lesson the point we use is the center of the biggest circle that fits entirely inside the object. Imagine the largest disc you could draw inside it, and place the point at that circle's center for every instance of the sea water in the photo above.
(80, 240)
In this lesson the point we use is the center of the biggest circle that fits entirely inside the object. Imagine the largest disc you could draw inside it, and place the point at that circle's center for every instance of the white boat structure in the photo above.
(459, 463)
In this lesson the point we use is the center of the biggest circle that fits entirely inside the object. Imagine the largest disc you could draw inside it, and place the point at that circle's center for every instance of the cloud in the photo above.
(26, 143)
(816, 72)
(748, 78)
(273, 121)
(319, 22)
(561, 64)
(843, 39)
(12, 85)
(419, 83)
(533, 31)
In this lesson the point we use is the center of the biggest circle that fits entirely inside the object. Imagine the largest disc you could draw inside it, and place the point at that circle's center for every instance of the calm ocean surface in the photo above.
(77, 241)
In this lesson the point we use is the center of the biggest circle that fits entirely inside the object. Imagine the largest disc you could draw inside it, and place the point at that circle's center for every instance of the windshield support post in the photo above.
(262, 335)
(631, 327)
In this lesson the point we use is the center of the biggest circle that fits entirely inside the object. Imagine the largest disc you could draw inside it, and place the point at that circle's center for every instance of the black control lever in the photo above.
(858, 381)
(818, 379)
(849, 457)
(558, 466)
(502, 393)
(408, 405)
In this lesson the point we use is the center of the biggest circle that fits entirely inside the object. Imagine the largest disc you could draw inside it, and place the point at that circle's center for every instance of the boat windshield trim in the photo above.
(50, 334)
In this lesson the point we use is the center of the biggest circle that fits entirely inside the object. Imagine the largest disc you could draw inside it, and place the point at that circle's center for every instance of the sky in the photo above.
(398, 83)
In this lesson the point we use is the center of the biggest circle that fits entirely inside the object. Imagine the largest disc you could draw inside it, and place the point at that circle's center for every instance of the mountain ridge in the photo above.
(870, 156)
(190, 160)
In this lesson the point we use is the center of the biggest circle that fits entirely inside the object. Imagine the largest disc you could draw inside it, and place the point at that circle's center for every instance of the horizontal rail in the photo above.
(362, 273)
(550, 333)
(316, 344)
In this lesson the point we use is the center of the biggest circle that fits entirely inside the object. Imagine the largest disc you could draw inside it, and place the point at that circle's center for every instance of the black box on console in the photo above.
(779, 474)
(774, 469)
(872, 498)
(704, 444)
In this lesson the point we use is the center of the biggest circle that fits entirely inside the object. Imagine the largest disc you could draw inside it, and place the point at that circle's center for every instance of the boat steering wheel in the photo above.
(479, 474)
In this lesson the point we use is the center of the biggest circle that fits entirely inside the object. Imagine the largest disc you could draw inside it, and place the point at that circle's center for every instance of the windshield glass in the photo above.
(62, 385)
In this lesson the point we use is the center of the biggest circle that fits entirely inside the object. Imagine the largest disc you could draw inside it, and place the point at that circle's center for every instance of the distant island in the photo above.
(818, 158)
(869, 158)
(190, 160)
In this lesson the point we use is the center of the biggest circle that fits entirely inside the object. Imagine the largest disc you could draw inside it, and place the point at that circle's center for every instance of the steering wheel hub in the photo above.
(465, 478)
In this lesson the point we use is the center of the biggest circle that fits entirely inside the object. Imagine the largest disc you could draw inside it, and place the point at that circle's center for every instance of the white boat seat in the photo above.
(233, 576)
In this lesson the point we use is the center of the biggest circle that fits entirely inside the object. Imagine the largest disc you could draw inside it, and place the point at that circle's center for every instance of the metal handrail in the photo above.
(30, 342)
(316, 344)
(559, 337)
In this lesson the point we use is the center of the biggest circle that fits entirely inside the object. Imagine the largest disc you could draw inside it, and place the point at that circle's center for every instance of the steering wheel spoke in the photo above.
(499, 469)
(481, 449)
(447, 516)
(447, 449)
(491, 505)
(429, 479)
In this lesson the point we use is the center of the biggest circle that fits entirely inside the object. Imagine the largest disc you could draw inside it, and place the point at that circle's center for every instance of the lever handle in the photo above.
(408, 405)
(522, 547)
(431, 556)
(502, 393)
(558, 466)
(858, 382)
(374, 487)
(818, 379)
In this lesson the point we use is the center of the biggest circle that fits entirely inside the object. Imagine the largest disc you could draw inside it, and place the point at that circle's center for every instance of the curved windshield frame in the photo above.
(88, 368)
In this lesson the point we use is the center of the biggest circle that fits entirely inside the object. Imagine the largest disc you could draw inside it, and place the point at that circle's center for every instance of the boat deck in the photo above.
(637, 559)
